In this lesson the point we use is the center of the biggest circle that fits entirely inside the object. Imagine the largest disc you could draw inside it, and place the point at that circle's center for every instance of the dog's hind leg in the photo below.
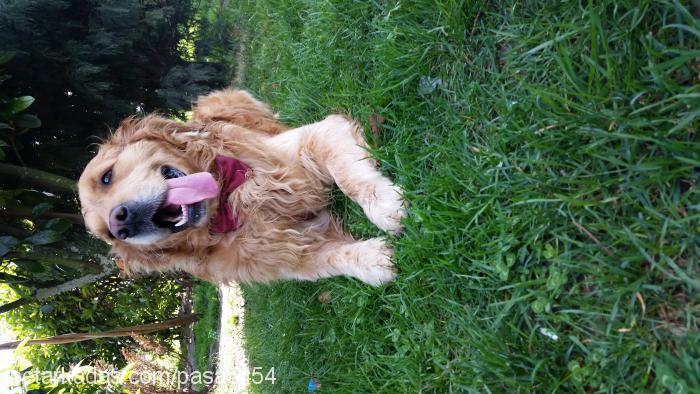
(368, 261)
(238, 107)
(334, 150)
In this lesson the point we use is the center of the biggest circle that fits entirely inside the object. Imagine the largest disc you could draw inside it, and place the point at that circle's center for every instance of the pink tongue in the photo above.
(191, 189)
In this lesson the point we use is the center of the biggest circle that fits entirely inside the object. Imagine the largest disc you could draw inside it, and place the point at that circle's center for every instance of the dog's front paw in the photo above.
(376, 268)
(387, 209)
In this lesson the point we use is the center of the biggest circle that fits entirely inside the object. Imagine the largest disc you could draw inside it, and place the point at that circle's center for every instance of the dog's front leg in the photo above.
(368, 261)
(334, 150)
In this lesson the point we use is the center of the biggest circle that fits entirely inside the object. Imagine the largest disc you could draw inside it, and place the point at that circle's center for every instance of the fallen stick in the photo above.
(120, 332)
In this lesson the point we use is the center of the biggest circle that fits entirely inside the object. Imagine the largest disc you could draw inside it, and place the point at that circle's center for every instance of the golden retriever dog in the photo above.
(235, 195)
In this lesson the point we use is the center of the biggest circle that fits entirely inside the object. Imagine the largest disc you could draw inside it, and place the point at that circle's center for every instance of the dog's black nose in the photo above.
(134, 219)
(119, 222)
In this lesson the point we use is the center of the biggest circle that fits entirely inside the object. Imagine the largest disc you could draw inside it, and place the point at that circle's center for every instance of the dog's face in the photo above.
(123, 192)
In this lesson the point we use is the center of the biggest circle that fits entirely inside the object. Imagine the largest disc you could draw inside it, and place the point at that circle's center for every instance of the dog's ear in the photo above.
(152, 127)
(238, 107)
(200, 146)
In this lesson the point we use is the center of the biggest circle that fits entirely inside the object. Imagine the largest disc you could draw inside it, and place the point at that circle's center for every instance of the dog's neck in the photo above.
(231, 173)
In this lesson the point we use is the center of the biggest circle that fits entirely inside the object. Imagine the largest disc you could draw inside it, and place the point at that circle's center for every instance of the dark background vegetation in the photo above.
(69, 72)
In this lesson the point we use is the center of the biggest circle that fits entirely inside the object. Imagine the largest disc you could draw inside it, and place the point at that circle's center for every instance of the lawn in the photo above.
(549, 151)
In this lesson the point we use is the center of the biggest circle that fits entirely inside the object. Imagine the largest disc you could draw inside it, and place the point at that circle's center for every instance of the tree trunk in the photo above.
(120, 332)
(82, 266)
(38, 178)
(14, 304)
(14, 213)
(107, 267)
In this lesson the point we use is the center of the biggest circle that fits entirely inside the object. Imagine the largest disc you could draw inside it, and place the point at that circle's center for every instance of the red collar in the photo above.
(232, 173)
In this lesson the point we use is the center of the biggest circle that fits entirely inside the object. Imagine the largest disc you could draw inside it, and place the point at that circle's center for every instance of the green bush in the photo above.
(106, 305)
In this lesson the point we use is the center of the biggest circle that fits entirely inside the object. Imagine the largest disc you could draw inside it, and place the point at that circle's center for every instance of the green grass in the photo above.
(206, 304)
(551, 171)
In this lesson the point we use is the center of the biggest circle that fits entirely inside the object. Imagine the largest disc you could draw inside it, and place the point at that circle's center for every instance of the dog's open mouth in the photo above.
(184, 204)
(179, 217)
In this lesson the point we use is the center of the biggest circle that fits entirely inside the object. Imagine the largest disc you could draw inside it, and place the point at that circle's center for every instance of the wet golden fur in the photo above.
(286, 230)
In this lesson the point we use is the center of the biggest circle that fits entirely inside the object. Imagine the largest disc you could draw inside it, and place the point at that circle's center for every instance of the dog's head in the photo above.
(123, 189)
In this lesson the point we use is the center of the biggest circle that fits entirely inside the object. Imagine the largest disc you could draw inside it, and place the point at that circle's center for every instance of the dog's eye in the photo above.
(170, 172)
(107, 177)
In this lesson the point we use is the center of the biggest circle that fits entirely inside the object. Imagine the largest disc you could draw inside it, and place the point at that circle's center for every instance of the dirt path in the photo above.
(239, 78)
(232, 366)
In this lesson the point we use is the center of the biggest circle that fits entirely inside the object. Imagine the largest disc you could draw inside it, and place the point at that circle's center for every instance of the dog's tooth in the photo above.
(181, 222)
(184, 213)
(183, 217)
